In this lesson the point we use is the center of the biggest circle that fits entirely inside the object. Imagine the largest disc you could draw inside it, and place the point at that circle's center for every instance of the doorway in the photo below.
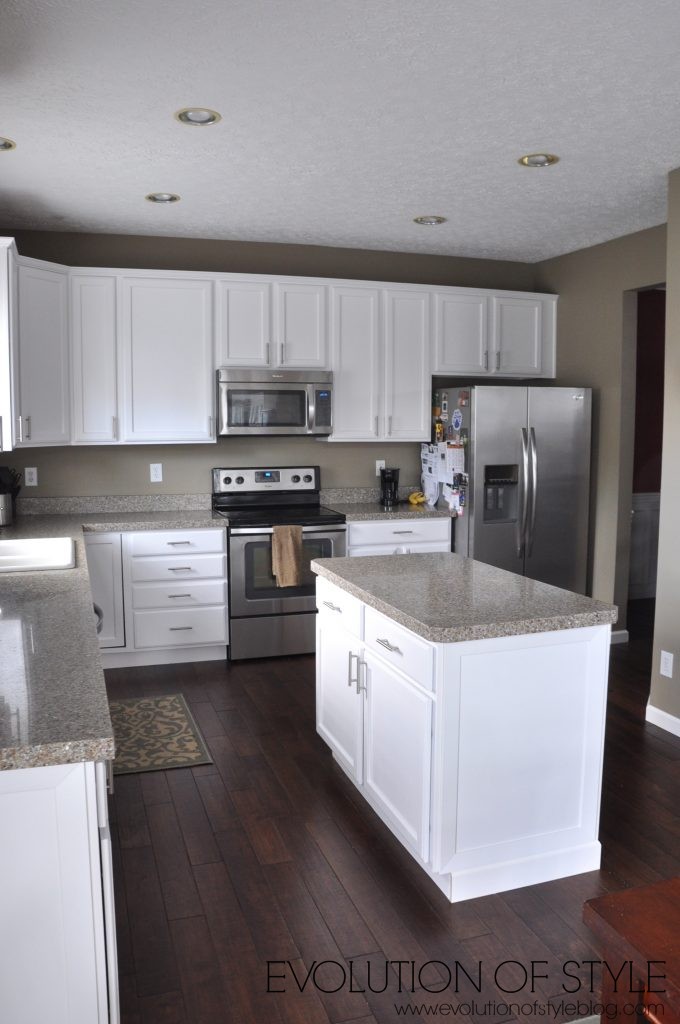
(649, 393)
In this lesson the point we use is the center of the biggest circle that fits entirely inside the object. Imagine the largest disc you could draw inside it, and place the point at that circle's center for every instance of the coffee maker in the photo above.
(389, 488)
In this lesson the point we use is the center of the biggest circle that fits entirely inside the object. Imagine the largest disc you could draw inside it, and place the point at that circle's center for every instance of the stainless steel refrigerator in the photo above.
(528, 459)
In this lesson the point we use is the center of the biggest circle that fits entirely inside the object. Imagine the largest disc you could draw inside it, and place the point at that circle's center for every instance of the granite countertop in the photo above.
(446, 598)
(364, 511)
(53, 704)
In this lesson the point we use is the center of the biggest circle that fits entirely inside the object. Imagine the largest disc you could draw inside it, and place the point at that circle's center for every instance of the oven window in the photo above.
(260, 583)
(252, 408)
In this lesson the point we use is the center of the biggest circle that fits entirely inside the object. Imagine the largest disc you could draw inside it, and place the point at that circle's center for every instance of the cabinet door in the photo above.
(516, 335)
(104, 563)
(355, 326)
(301, 325)
(94, 359)
(8, 343)
(243, 327)
(168, 357)
(460, 332)
(43, 356)
(339, 707)
(398, 752)
(407, 366)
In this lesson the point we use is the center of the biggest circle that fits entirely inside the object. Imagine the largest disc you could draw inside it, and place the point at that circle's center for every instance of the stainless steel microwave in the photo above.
(274, 402)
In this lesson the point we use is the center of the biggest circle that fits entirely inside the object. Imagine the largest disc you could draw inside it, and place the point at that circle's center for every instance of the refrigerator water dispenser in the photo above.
(500, 494)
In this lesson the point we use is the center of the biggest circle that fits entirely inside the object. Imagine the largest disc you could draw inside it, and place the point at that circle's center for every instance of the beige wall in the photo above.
(595, 331)
(665, 693)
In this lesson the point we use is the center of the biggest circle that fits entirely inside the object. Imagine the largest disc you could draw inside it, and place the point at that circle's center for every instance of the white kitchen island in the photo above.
(467, 704)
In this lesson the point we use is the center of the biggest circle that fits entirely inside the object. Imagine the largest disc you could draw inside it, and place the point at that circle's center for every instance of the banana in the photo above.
(416, 498)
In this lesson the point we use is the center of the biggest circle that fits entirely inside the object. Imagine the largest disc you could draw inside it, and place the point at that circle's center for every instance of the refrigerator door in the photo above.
(557, 536)
(499, 459)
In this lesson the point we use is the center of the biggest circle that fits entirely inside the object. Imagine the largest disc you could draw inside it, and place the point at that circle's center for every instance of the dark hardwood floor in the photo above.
(271, 855)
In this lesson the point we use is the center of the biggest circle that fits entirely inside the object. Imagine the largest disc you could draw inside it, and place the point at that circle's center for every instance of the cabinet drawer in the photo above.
(400, 647)
(407, 548)
(177, 567)
(175, 542)
(399, 532)
(180, 627)
(339, 606)
(179, 595)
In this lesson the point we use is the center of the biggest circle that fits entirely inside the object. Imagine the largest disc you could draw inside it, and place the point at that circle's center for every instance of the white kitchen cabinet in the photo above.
(43, 356)
(461, 332)
(355, 359)
(243, 323)
(8, 343)
(56, 964)
(339, 707)
(301, 326)
(398, 750)
(105, 566)
(407, 402)
(168, 361)
(516, 335)
(398, 536)
(94, 359)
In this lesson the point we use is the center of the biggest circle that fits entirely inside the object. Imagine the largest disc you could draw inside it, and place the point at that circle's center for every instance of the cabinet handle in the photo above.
(376, 426)
(402, 531)
(114, 427)
(179, 595)
(267, 352)
(1, 448)
(486, 360)
(21, 429)
(333, 607)
(392, 648)
(178, 629)
(28, 428)
(177, 543)
(282, 351)
(498, 360)
(361, 686)
(351, 679)
(179, 568)
(210, 429)
(389, 426)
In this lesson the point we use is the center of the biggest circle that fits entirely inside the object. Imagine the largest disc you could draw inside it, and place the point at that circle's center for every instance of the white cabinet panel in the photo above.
(355, 335)
(43, 356)
(339, 707)
(301, 326)
(401, 531)
(104, 563)
(398, 752)
(243, 323)
(460, 332)
(94, 359)
(167, 340)
(177, 542)
(407, 365)
(8, 344)
(180, 627)
(516, 335)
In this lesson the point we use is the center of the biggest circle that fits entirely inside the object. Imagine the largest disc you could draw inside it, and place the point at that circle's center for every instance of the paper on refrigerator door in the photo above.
(455, 460)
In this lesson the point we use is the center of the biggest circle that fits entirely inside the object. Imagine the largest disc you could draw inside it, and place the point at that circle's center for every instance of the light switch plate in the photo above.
(156, 472)
(379, 464)
(666, 666)
(31, 476)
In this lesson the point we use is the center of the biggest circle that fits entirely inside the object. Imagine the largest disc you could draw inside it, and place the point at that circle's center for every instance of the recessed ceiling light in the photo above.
(162, 197)
(6, 144)
(538, 160)
(430, 220)
(198, 116)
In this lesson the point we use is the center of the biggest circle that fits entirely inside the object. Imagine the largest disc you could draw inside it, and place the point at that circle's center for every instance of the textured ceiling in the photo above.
(343, 119)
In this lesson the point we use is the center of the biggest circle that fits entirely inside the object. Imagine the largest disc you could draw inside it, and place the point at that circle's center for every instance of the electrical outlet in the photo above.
(31, 476)
(379, 464)
(666, 666)
(156, 472)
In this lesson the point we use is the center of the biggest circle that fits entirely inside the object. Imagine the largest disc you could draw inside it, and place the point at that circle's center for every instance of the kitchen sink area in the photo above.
(32, 554)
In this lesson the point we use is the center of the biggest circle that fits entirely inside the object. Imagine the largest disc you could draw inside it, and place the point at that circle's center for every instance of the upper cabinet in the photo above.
(43, 356)
(8, 343)
(271, 324)
(483, 334)
(407, 404)
(94, 359)
(167, 355)
(355, 356)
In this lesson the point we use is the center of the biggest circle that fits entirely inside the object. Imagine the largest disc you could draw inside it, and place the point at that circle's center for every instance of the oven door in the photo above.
(253, 589)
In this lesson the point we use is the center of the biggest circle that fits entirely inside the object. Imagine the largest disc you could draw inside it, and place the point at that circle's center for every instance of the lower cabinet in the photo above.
(59, 961)
(399, 536)
(162, 594)
(339, 707)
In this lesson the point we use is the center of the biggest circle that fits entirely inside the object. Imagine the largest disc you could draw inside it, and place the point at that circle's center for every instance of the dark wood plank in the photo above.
(154, 788)
(153, 955)
(193, 821)
(200, 976)
(219, 806)
(130, 812)
(174, 870)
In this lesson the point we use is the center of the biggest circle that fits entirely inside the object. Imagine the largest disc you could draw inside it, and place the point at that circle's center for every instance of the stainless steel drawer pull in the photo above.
(392, 648)
(333, 607)
(179, 595)
(177, 543)
(179, 568)
(402, 531)
(350, 678)
(176, 629)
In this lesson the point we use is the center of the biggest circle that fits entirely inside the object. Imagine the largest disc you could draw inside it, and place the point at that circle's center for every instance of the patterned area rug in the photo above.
(154, 733)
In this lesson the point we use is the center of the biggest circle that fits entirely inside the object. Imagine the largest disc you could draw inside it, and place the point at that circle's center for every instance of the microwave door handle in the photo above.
(311, 408)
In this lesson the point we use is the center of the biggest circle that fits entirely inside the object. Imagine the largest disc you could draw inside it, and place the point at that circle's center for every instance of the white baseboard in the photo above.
(620, 636)
(171, 656)
(655, 716)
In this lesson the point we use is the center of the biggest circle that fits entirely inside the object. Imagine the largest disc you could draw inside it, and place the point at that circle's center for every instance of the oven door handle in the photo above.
(260, 531)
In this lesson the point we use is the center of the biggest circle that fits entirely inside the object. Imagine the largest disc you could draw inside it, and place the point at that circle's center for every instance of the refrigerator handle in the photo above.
(534, 488)
(524, 495)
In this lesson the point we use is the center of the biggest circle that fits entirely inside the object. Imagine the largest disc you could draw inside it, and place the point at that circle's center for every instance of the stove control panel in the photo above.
(266, 478)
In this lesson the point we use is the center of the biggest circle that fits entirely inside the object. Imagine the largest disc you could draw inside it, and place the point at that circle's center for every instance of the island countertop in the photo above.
(446, 598)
